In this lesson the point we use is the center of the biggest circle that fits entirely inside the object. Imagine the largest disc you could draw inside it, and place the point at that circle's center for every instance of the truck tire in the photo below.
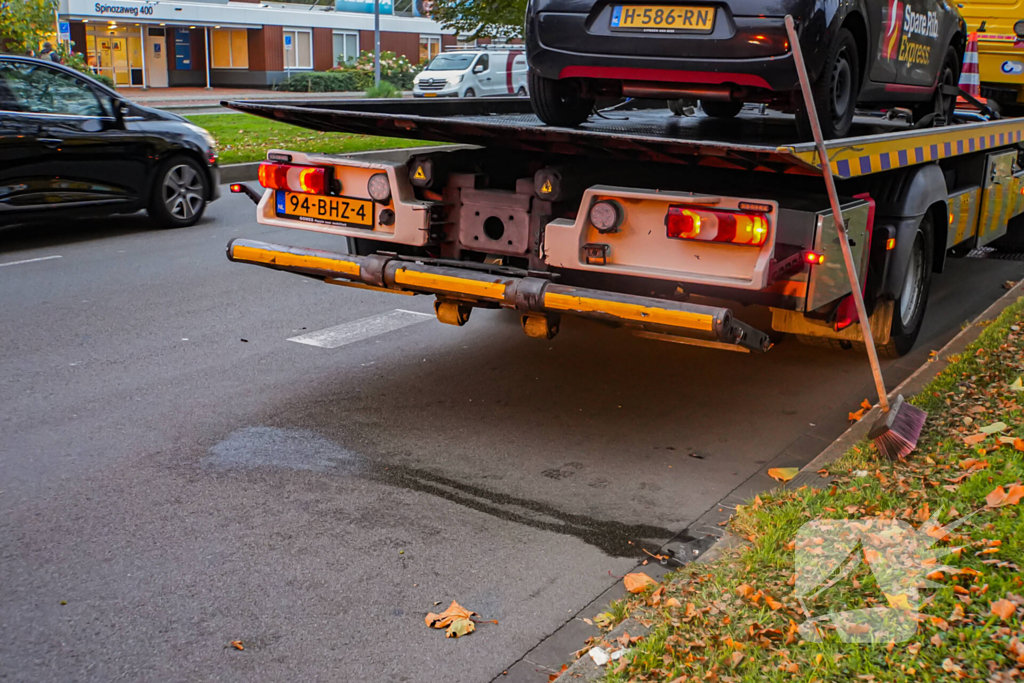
(721, 110)
(836, 90)
(179, 193)
(908, 313)
(559, 102)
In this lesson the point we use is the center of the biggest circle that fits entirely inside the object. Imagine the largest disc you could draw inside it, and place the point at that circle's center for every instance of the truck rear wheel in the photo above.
(559, 102)
(908, 313)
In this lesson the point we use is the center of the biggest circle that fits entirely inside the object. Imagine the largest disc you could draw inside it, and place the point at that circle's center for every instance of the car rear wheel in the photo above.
(942, 105)
(836, 90)
(179, 194)
(721, 110)
(559, 102)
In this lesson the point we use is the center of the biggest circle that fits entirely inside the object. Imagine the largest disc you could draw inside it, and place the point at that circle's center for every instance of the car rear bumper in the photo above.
(745, 51)
(708, 325)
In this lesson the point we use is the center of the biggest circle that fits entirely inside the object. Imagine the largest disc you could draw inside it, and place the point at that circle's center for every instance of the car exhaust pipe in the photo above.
(671, 91)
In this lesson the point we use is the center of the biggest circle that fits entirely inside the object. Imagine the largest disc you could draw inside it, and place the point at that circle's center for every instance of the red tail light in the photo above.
(814, 258)
(715, 225)
(307, 179)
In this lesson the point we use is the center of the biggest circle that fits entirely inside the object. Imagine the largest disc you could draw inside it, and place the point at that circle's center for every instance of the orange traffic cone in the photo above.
(970, 80)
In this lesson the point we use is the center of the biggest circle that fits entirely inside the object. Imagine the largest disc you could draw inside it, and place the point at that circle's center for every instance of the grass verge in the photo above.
(243, 137)
(738, 619)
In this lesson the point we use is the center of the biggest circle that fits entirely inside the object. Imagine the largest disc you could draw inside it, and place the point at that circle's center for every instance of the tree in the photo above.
(481, 18)
(24, 24)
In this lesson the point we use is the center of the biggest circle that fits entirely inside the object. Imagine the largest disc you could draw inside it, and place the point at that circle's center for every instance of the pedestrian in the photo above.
(48, 53)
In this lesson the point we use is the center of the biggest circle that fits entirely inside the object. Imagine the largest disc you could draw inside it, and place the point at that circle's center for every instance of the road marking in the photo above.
(358, 330)
(28, 260)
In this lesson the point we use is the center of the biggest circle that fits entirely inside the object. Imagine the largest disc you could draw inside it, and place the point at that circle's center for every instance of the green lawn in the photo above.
(736, 620)
(243, 137)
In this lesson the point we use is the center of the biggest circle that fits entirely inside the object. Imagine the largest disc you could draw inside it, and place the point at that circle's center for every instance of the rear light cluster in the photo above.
(749, 228)
(307, 179)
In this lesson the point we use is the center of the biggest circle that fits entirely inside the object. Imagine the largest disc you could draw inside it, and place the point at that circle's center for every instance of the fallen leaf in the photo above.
(783, 474)
(994, 427)
(457, 619)
(736, 658)
(974, 439)
(237, 644)
(745, 590)
(673, 602)
(865, 404)
(1018, 385)
(637, 582)
(1000, 496)
(772, 602)
(1004, 609)
(1018, 444)
(855, 416)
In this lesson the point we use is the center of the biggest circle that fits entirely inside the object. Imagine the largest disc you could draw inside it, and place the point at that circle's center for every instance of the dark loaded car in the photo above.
(878, 53)
(70, 146)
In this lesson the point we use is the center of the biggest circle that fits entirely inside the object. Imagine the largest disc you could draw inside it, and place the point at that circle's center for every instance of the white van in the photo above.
(473, 73)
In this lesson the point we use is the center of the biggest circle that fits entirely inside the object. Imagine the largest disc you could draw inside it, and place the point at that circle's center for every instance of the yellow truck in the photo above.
(1000, 28)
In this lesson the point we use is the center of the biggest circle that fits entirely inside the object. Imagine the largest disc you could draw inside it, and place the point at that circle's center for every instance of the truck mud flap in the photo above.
(531, 295)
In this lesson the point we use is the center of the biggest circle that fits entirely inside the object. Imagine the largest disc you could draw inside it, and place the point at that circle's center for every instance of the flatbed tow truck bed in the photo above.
(914, 197)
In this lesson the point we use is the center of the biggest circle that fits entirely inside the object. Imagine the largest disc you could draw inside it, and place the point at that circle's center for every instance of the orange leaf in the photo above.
(772, 602)
(783, 474)
(457, 619)
(637, 582)
(673, 602)
(996, 497)
(1014, 495)
(975, 439)
(237, 644)
(1018, 444)
(736, 658)
(865, 404)
(853, 417)
(1004, 609)
(745, 590)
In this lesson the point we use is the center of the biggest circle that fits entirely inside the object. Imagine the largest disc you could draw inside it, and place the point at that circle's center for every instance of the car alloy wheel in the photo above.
(183, 192)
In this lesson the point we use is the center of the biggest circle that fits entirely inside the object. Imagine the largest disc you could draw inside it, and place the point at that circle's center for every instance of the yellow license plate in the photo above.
(321, 209)
(430, 94)
(663, 18)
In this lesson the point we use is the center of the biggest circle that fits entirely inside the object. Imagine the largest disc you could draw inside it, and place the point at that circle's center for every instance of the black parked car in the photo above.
(727, 52)
(70, 147)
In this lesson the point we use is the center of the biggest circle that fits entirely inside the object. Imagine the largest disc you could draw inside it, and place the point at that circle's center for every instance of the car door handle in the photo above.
(50, 142)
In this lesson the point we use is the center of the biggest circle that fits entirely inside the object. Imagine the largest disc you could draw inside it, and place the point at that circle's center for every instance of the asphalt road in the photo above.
(181, 475)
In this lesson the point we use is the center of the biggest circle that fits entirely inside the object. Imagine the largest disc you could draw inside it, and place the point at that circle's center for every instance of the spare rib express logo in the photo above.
(903, 19)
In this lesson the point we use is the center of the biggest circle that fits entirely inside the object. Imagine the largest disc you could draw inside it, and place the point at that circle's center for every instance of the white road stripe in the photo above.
(358, 330)
(29, 260)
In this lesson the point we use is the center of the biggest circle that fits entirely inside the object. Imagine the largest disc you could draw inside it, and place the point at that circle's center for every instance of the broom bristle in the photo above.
(897, 433)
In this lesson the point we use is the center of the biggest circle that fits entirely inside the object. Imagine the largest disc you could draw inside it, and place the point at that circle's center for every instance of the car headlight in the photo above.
(455, 80)
(207, 138)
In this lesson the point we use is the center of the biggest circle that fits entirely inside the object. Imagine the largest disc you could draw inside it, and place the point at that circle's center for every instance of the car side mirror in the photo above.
(478, 69)
(120, 108)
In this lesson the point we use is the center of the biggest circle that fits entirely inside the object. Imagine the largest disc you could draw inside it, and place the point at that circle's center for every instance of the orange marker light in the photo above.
(951, 218)
(236, 187)
(890, 244)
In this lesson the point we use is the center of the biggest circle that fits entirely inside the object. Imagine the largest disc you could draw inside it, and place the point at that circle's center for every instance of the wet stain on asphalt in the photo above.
(614, 538)
(300, 450)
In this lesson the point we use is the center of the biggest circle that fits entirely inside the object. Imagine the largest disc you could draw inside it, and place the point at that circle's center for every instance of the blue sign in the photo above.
(287, 42)
(363, 6)
(64, 29)
(182, 49)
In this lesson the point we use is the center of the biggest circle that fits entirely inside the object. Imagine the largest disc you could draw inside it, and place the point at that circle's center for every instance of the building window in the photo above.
(298, 49)
(346, 48)
(430, 47)
(230, 48)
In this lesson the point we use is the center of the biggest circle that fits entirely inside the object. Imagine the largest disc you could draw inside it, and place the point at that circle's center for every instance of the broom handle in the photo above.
(833, 198)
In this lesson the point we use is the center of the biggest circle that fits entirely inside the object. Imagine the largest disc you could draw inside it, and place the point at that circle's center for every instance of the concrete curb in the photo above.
(584, 669)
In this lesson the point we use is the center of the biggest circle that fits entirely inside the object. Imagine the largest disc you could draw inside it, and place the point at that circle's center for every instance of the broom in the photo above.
(898, 428)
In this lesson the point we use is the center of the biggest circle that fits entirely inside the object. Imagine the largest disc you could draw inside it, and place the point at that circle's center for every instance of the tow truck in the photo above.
(663, 224)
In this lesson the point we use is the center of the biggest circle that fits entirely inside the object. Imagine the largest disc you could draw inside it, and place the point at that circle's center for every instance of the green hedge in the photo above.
(340, 80)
